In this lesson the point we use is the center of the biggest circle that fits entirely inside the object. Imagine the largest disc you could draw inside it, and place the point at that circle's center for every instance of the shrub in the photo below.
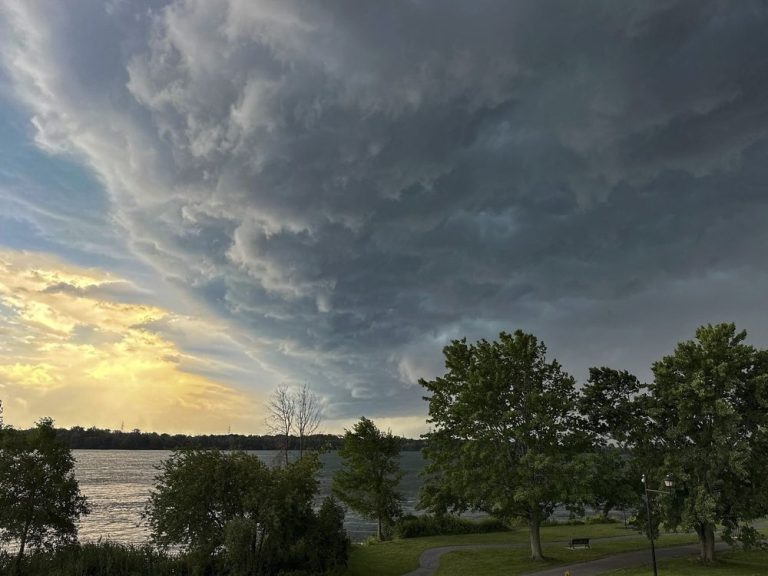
(601, 520)
(231, 514)
(412, 526)
(580, 521)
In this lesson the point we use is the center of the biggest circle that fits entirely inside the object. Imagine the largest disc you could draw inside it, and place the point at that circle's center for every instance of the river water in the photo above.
(117, 484)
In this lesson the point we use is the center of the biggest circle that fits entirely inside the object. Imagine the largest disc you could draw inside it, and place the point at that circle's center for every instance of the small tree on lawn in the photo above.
(40, 500)
(370, 473)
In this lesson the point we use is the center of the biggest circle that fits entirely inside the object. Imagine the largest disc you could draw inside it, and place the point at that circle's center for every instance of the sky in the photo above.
(201, 201)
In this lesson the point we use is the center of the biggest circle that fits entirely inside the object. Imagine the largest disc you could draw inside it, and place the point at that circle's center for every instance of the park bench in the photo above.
(579, 543)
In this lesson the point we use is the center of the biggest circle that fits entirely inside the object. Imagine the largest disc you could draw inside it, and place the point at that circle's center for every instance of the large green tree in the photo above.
(370, 473)
(709, 408)
(40, 500)
(614, 419)
(505, 434)
(704, 422)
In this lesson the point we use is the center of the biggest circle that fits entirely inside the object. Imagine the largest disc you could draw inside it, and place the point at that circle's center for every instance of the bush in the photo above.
(412, 526)
(580, 521)
(328, 541)
(232, 515)
(601, 520)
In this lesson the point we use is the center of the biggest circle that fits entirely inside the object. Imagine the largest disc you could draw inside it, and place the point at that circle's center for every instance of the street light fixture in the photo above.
(667, 483)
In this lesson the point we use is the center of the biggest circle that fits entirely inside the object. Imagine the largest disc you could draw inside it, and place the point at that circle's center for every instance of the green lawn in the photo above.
(516, 561)
(401, 556)
(753, 563)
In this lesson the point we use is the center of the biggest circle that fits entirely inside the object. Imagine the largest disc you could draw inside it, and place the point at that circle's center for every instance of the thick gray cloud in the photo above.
(355, 183)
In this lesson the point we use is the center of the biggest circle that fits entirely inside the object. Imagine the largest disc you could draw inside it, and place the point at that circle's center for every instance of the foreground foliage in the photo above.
(230, 513)
(40, 500)
(103, 559)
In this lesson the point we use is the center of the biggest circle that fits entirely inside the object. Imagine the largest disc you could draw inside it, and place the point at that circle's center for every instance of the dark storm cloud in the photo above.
(357, 182)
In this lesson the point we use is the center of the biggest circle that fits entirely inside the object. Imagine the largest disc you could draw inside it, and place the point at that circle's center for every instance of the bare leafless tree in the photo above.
(297, 412)
(281, 411)
(308, 414)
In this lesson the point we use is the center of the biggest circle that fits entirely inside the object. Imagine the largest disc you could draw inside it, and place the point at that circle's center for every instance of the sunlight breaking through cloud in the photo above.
(74, 354)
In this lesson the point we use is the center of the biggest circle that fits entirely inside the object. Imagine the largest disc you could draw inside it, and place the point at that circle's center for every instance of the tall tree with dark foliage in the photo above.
(40, 501)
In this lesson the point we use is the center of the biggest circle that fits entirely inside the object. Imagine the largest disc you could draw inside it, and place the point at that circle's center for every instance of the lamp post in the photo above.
(668, 484)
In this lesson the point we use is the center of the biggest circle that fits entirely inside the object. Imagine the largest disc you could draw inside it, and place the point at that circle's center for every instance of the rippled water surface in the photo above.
(117, 484)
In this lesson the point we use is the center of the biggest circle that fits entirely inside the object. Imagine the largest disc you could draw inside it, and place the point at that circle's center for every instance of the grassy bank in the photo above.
(401, 556)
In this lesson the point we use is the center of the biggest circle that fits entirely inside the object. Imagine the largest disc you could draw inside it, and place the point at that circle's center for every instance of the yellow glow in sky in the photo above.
(71, 351)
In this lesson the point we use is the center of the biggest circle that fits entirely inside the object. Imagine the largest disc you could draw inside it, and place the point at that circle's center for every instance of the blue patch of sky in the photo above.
(6, 311)
(20, 234)
(43, 184)
(51, 203)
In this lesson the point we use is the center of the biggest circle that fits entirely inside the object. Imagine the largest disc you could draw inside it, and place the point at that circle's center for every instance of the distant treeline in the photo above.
(79, 438)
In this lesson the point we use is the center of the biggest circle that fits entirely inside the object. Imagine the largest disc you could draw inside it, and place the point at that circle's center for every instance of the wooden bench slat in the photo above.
(580, 542)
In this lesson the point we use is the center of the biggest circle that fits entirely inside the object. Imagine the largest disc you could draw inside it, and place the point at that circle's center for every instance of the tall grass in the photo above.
(102, 559)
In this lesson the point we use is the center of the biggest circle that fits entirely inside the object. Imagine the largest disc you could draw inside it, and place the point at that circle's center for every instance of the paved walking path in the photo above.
(430, 559)
(624, 560)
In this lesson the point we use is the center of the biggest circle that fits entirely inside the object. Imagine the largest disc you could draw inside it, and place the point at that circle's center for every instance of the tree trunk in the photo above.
(20, 555)
(706, 533)
(534, 528)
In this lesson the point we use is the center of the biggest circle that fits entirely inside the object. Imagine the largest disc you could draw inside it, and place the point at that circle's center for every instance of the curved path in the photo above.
(429, 560)
(624, 560)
